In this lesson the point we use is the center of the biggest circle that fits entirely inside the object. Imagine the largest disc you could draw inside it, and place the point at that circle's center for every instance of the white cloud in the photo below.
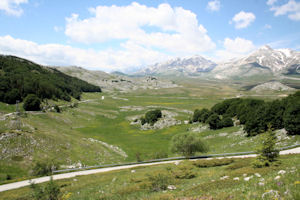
(213, 5)
(271, 2)
(243, 19)
(234, 48)
(56, 54)
(291, 8)
(175, 30)
(12, 7)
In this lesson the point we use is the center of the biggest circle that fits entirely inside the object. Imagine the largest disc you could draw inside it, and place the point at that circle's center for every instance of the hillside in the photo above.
(19, 77)
(117, 81)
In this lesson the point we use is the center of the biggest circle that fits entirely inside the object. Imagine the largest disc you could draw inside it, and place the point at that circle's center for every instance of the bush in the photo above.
(44, 168)
(151, 117)
(32, 103)
(213, 162)
(201, 115)
(184, 171)
(159, 181)
(226, 121)
(214, 121)
(50, 192)
(187, 144)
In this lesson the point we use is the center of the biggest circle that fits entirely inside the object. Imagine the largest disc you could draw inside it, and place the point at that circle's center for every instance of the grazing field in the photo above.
(203, 179)
(99, 131)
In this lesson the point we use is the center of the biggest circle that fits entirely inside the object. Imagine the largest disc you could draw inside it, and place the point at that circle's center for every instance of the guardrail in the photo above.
(166, 159)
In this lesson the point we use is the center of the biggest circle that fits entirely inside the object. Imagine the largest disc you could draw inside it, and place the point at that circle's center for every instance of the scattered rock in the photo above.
(236, 178)
(171, 187)
(257, 175)
(224, 177)
(282, 172)
(277, 177)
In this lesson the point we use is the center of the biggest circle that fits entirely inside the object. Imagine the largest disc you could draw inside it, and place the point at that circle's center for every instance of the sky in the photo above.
(123, 35)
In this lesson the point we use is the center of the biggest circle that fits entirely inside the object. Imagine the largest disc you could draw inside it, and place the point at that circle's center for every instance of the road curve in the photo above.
(20, 184)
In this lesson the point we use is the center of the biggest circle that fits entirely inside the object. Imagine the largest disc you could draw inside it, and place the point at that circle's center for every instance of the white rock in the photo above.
(261, 183)
(282, 172)
(236, 178)
(248, 178)
(133, 171)
(224, 177)
(177, 162)
(244, 175)
(257, 175)
(171, 187)
(277, 177)
(74, 179)
(262, 180)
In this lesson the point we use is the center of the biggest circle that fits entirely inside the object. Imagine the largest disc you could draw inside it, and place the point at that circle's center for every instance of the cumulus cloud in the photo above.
(243, 19)
(291, 8)
(234, 48)
(213, 5)
(12, 7)
(175, 30)
(56, 54)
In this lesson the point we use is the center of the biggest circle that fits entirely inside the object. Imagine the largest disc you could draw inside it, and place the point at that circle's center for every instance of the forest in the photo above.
(256, 115)
(20, 77)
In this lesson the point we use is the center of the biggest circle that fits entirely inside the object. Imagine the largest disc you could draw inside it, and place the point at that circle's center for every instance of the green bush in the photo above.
(213, 162)
(151, 117)
(226, 121)
(214, 121)
(44, 168)
(32, 103)
(50, 192)
(187, 144)
(184, 171)
(159, 181)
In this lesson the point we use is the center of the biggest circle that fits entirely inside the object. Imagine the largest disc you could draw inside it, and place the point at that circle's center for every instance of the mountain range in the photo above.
(265, 61)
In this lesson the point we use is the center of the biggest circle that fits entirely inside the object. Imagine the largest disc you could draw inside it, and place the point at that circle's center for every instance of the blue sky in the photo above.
(122, 35)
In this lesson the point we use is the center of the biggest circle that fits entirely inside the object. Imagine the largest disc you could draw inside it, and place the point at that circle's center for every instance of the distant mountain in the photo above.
(263, 62)
(117, 80)
(20, 77)
(180, 66)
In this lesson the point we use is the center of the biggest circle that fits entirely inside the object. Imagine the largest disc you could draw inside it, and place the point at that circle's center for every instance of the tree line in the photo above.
(256, 115)
(20, 77)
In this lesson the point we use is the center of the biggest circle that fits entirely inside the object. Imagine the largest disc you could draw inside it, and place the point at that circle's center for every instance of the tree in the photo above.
(151, 117)
(32, 103)
(50, 192)
(214, 121)
(292, 118)
(226, 121)
(187, 144)
(267, 152)
(12, 96)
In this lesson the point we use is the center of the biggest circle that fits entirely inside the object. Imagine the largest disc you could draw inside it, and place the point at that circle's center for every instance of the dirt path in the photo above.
(20, 184)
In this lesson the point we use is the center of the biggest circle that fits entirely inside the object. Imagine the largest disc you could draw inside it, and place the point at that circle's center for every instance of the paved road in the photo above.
(20, 184)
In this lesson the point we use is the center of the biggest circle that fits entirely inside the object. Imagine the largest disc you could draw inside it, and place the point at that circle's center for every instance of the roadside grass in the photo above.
(216, 181)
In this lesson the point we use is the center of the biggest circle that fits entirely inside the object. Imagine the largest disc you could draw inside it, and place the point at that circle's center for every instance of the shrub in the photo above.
(184, 171)
(44, 168)
(213, 162)
(187, 144)
(50, 192)
(32, 103)
(226, 121)
(151, 117)
(159, 181)
(214, 121)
